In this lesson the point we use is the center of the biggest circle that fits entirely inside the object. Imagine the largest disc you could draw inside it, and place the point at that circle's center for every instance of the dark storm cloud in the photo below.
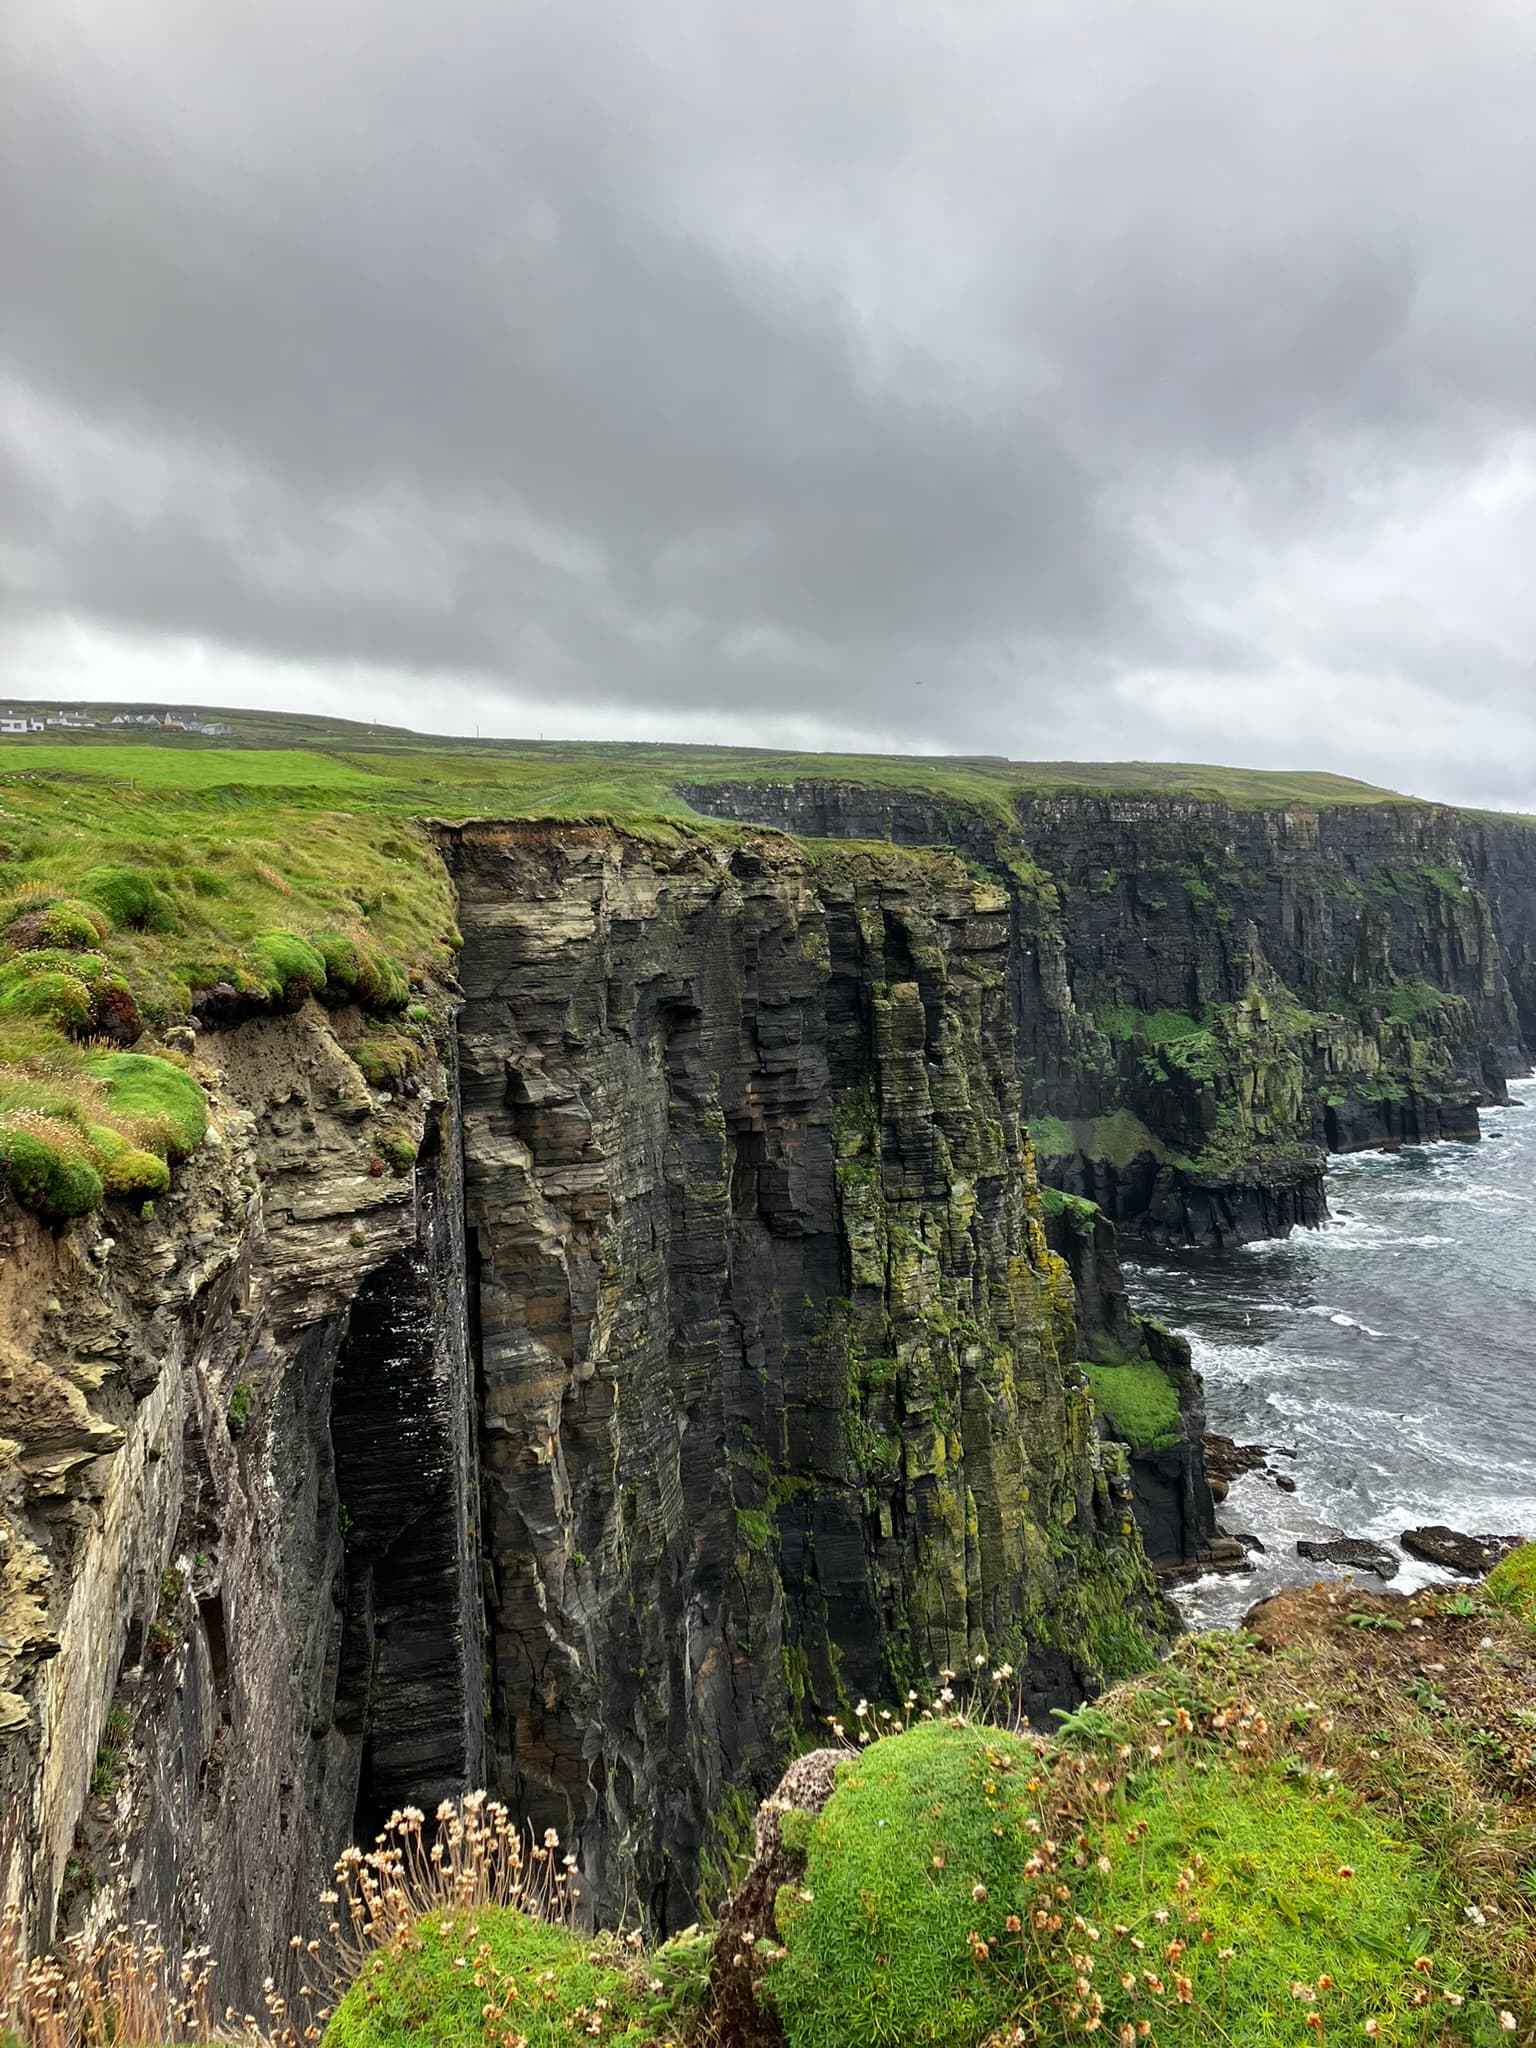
(1134, 381)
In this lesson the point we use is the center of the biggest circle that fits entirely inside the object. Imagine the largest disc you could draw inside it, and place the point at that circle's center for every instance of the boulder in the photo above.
(1449, 1548)
(1226, 1461)
(1354, 1551)
(735, 2016)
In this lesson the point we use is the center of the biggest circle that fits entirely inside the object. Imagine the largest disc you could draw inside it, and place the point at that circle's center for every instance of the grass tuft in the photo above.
(1141, 1402)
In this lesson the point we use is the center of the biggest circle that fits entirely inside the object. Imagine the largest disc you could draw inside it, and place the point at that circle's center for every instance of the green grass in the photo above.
(1083, 1213)
(953, 1878)
(1512, 1583)
(551, 1984)
(166, 1102)
(1052, 1137)
(1141, 1402)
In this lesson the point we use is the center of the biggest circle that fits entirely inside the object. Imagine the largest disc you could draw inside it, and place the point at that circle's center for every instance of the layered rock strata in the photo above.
(779, 1402)
(1210, 999)
(238, 1524)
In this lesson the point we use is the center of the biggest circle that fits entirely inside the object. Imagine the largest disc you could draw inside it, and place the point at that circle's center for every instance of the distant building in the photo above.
(19, 721)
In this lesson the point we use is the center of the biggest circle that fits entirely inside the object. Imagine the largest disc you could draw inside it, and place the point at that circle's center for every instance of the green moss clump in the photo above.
(553, 1984)
(1120, 1138)
(385, 1057)
(1082, 1212)
(1052, 1137)
(48, 1169)
(876, 1946)
(166, 1102)
(295, 968)
(1512, 1583)
(63, 922)
(400, 1152)
(129, 898)
(1141, 1402)
(77, 993)
(958, 1881)
(129, 1170)
(237, 1415)
(53, 995)
(359, 973)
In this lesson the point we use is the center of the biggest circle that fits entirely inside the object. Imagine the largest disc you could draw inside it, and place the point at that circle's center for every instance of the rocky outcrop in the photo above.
(1210, 999)
(1470, 1556)
(238, 1521)
(1173, 1501)
(1357, 1553)
(779, 1397)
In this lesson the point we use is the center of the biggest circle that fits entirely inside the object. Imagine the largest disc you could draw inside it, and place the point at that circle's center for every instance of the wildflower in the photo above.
(1013, 1923)
(1315, 2020)
(1452, 1997)
(1507, 2022)
(1346, 1870)
(1185, 1989)
(978, 1892)
(1372, 2029)
(1476, 1915)
(1225, 1955)
(1423, 1965)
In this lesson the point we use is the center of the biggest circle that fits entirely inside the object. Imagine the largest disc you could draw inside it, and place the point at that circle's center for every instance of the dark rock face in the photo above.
(778, 1400)
(1173, 1503)
(259, 1559)
(1354, 1551)
(736, 2014)
(1226, 1460)
(1209, 1000)
(1472, 1556)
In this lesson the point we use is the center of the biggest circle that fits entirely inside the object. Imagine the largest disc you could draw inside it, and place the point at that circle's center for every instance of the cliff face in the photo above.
(704, 1365)
(239, 1511)
(779, 1406)
(1210, 999)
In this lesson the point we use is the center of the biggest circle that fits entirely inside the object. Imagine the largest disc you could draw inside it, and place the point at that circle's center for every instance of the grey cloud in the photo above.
(780, 362)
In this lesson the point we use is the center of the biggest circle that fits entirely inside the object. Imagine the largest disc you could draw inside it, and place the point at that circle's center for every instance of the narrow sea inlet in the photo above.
(1387, 1361)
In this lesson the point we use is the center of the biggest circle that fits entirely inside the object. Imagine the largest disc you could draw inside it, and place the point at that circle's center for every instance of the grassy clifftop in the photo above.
(144, 876)
(126, 902)
(563, 778)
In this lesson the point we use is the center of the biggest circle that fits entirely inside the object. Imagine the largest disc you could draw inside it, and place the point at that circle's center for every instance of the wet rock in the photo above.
(1226, 1460)
(1355, 1552)
(1454, 1552)
(1284, 1481)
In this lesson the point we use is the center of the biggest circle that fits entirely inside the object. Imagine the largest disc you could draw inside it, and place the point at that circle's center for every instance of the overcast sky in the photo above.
(1064, 378)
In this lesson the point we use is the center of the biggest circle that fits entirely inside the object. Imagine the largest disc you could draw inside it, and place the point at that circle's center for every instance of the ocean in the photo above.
(1388, 1359)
